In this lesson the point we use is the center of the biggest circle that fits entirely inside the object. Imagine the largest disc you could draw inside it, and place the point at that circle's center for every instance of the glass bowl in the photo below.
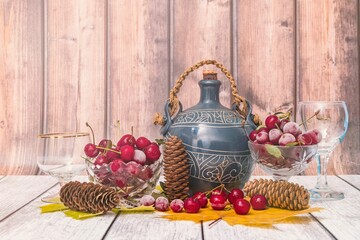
(131, 180)
(282, 162)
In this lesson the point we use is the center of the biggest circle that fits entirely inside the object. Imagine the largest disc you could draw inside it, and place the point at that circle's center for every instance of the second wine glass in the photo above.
(331, 119)
(59, 155)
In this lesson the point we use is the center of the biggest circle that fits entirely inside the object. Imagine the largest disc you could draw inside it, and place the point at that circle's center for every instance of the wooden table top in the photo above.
(20, 217)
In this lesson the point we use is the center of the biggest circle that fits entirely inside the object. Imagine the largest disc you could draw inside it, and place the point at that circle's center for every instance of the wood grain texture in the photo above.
(139, 59)
(303, 227)
(21, 84)
(266, 54)
(23, 187)
(64, 63)
(128, 226)
(341, 217)
(76, 66)
(30, 223)
(352, 179)
(200, 30)
(329, 67)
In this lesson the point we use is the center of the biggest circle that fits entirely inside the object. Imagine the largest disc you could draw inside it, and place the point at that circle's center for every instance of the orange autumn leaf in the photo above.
(263, 217)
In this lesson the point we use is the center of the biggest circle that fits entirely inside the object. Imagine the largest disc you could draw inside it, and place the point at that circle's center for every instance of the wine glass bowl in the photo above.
(282, 162)
(59, 155)
(331, 119)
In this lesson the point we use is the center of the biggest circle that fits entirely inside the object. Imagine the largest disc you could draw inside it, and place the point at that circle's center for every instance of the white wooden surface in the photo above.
(20, 217)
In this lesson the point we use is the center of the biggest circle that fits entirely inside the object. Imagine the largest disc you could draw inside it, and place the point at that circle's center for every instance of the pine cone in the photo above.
(280, 194)
(176, 169)
(89, 197)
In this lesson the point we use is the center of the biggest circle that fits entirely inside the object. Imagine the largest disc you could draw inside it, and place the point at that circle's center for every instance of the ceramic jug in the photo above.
(215, 137)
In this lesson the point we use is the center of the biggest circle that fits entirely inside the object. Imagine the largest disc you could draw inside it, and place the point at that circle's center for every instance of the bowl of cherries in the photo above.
(281, 148)
(132, 166)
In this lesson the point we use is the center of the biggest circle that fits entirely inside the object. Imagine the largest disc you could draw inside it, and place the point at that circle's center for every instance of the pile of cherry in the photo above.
(283, 132)
(218, 200)
(130, 157)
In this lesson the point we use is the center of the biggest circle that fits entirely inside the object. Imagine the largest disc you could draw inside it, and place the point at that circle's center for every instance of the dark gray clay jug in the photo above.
(215, 139)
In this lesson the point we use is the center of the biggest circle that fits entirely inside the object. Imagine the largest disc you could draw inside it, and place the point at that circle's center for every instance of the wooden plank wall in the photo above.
(64, 63)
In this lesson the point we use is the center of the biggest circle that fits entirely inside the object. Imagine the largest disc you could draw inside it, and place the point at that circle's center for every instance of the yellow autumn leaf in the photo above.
(80, 215)
(259, 217)
(54, 207)
(135, 209)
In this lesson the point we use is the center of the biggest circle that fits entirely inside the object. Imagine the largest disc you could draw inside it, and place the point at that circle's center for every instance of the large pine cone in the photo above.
(176, 169)
(89, 197)
(280, 194)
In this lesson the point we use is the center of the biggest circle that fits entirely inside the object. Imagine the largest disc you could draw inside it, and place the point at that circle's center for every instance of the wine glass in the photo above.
(60, 156)
(331, 119)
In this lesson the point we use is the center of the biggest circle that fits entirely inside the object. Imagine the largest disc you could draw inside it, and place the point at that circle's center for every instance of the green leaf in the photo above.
(160, 141)
(53, 207)
(80, 215)
(292, 144)
(160, 187)
(260, 126)
(273, 150)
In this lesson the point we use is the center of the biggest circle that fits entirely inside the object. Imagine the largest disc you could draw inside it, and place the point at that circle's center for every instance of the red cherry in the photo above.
(91, 150)
(105, 143)
(286, 138)
(241, 206)
(162, 204)
(127, 139)
(120, 182)
(272, 121)
(142, 142)
(315, 136)
(152, 152)
(258, 202)
(262, 137)
(218, 192)
(304, 139)
(252, 135)
(201, 198)
(283, 122)
(235, 194)
(133, 168)
(127, 153)
(191, 206)
(146, 174)
(177, 205)
(117, 164)
(100, 160)
(218, 202)
(139, 157)
(274, 135)
(263, 129)
(111, 155)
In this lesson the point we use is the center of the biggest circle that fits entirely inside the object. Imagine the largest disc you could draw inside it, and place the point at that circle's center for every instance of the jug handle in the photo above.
(168, 119)
(173, 102)
(250, 118)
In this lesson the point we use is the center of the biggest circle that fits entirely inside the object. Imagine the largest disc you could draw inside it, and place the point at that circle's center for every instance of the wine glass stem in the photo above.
(322, 163)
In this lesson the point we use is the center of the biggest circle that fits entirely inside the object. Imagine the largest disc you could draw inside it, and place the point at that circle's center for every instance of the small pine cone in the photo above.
(176, 169)
(89, 197)
(281, 194)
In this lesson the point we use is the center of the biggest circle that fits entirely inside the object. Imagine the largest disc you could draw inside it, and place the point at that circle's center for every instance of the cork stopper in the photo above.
(209, 75)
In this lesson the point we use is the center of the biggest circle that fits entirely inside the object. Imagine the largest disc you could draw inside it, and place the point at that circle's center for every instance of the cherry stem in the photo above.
(108, 149)
(132, 130)
(92, 132)
(214, 222)
(315, 114)
(220, 186)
